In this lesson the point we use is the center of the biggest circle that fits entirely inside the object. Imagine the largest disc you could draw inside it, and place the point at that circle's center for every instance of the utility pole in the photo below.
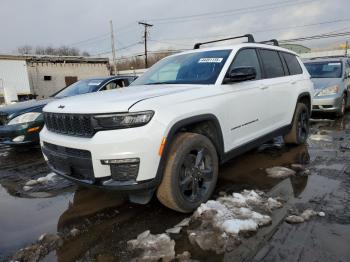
(114, 66)
(346, 48)
(146, 25)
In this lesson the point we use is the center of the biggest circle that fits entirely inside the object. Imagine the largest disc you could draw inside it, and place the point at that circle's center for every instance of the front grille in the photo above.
(72, 162)
(69, 124)
(3, 119)
(68, 150)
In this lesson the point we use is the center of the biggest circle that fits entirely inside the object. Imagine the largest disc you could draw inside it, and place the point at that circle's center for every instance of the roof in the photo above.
(325, 59)
(55, 59)
(107, 78)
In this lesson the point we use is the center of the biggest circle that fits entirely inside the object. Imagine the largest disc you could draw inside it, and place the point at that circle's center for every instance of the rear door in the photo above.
(278, 85)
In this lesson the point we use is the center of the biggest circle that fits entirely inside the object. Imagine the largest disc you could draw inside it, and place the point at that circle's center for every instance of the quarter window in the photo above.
(272, 63)
(293, 64)
(247, 58)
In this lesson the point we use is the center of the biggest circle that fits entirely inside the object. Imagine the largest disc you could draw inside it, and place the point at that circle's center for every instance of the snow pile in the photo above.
(279, 172)
(222, 220)
(177, 228)
(153, 247)
(305, 216)
(50, 178)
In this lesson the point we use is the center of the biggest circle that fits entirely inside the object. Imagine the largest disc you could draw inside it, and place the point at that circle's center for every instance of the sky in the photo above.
(84, 24)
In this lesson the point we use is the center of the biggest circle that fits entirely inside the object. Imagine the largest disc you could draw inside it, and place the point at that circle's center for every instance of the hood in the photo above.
(321, 83)
(23, 107)
(118, 100)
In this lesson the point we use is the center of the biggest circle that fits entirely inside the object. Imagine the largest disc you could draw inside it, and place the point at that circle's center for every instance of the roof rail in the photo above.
(249, 36)
(272, 41)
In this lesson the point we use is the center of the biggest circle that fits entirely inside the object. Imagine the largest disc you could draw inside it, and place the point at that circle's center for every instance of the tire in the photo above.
(300, 126)
(190, 173)
(342, 108)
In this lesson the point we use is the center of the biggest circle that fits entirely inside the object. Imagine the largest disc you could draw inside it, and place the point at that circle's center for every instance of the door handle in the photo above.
(293, 82)
(263, 87)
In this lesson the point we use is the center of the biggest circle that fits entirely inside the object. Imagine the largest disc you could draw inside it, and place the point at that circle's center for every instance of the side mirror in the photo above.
(239, 74)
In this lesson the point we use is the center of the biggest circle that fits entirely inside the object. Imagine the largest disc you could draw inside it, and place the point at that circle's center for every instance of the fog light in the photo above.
(120, 161)
(18, 139)
(123, 169)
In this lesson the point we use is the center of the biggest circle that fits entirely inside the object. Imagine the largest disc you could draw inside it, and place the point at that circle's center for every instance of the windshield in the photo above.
(194, 68)
(324, 69)
(79, 88)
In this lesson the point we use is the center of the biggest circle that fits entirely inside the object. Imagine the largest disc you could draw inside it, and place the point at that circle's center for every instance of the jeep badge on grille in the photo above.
(61, 107)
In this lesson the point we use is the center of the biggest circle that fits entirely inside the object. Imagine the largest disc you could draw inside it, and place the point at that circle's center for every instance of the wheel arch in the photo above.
(203, 124)
(305, 98)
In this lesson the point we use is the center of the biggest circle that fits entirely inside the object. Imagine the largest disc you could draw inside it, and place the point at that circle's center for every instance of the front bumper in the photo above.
(331, 103)
(142, 143)
(9, 132)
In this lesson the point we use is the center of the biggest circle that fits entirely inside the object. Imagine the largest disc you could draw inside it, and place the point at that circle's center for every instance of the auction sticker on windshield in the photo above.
(211, 60)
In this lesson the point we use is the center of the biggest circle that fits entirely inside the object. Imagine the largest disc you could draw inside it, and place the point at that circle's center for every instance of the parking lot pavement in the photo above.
(95, 225)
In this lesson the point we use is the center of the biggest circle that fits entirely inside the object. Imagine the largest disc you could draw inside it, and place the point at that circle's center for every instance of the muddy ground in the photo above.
(103, 222)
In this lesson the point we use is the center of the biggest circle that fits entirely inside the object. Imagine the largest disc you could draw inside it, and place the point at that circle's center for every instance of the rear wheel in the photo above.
(300, 126)
(190, 174)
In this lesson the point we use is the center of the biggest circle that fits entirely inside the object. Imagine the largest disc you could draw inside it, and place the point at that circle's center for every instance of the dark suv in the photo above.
(21, 123)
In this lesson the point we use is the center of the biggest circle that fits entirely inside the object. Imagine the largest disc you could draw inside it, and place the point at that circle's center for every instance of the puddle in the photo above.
(23, 220)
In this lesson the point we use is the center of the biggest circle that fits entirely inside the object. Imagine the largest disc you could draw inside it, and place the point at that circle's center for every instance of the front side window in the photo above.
(324, 69)
(292, 64)
(192, 68)
(247, 58)
(272, 63)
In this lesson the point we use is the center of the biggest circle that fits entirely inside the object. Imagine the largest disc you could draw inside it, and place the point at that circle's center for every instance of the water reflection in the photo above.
(107, 220)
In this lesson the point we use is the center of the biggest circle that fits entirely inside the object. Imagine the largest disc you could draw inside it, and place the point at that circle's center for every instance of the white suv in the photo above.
(169, 131)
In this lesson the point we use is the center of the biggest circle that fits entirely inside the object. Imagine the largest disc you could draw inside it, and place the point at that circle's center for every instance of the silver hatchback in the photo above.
(331, 78)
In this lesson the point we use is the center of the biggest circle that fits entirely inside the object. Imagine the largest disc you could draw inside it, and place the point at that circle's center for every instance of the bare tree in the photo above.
(25, 50)
(49, 50)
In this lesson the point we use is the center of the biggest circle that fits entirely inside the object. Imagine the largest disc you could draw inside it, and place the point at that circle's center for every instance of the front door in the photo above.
(246, 102)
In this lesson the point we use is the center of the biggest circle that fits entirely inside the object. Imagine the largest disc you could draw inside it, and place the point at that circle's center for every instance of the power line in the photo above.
(256, 8)
(314, 37)
(257, 31)
(117, 49)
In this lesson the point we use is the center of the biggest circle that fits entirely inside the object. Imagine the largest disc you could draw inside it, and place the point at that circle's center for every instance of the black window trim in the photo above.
(263, 67)
(302, 71)
(284, 64)
(233, 59)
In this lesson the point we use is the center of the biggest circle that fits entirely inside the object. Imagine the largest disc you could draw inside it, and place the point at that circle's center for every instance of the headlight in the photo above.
(329, 91)
(25, 118)
(124, 120)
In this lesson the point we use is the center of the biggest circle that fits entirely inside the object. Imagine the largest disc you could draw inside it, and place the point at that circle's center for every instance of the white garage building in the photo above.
(23, 77)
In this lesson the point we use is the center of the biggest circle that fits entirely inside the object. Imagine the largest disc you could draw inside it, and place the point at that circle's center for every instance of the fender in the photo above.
(180, 124)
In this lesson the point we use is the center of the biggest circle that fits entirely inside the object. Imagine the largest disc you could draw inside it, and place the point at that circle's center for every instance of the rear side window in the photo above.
(247, 58)
(272, 63)
(292, 64)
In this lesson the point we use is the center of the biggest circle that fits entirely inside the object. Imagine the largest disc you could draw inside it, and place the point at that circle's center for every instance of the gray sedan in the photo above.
(331, 78)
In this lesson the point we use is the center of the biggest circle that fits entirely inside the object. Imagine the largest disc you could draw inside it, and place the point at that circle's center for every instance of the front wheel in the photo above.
(342, 107)
(300, 126)
(190, 173)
